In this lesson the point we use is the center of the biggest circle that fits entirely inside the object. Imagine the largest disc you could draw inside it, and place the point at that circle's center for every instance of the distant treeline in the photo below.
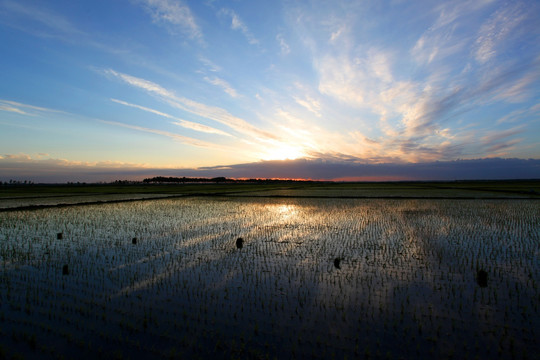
(161, 180)
(183, 180)
(17, 182)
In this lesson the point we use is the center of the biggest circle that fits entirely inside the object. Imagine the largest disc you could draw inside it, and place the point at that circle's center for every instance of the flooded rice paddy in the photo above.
(322, 278)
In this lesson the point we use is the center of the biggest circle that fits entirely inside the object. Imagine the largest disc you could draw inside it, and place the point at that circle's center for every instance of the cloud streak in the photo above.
(284, 46)
(24, 109)
(176, 15)
(238, 24)
(496, 30)
(177, 137)
(206, 111)
(223, 85)
(184, 123)
(46, 23)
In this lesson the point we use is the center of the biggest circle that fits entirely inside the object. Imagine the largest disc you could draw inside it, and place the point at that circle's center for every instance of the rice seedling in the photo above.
(239, 243)
(482, 278)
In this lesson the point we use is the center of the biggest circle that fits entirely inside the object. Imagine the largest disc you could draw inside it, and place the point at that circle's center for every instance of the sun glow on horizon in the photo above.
(283, 152)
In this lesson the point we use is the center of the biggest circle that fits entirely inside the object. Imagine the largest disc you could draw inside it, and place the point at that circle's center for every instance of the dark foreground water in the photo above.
(406, 283)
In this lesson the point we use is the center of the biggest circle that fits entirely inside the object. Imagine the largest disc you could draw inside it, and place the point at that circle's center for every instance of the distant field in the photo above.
(28, 196)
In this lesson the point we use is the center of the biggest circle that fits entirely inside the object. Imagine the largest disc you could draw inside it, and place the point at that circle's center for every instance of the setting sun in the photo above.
(283, 152)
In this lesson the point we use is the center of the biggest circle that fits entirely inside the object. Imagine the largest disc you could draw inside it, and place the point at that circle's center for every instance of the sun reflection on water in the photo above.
(287, 212)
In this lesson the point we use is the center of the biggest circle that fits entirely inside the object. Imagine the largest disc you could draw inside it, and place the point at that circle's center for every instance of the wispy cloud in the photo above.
(24, 109)
(180, 138)
(184, 123)
(341, 79)
(175, 15)
(146, 85)
(206, 111)
(520, 89)
(520, 114)
(285, 48)
(413, 114)
(209, 65)
(222, 84)
(310, 104)
(199, 127)
(10, 108)
(153, 111)
(500, 25)
(45, 23)
(42, 21)
(442, 40)
(496, 143)
(367, 83)
(238, 24)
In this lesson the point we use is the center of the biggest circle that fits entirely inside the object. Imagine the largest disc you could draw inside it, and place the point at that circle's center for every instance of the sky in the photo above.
(113, 89)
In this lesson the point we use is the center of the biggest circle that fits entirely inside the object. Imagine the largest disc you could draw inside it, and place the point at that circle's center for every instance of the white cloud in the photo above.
(285, 48)
(238, 24)
(181, 138)
(16, 107)
(434, 46)
(175, 14)
(410, 113)
(52, 24)
(206, 111)
(497, 143)
(366, 82)
(210, 66)
(378, 64)
(8, 108)
(520, 114)
(222, 84)
(43, 20)
(495, 30)
(342, 79)
(184, 123)
(199, 127)
(310, 104)
(442, 39)
(338, 33)
(518, 91)
(142, 108)
(141, 83)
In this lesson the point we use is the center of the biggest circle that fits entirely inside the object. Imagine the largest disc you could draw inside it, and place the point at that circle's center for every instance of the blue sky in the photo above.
(111, 86)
